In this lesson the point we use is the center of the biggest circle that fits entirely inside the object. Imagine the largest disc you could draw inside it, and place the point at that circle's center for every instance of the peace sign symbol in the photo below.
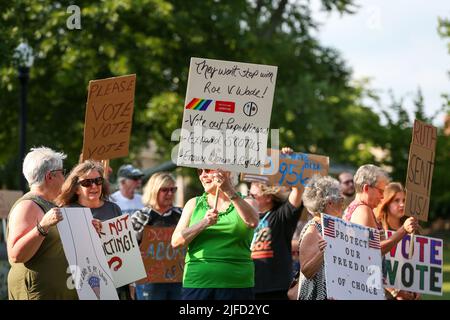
(250, 109)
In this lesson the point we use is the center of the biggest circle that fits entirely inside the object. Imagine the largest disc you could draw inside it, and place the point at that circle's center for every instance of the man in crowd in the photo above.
(347, 187)
(129, 179)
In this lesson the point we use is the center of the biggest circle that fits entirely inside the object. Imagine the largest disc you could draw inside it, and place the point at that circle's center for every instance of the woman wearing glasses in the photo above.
(218, 263)
(158, 198)
(370, 182)
(86, 187)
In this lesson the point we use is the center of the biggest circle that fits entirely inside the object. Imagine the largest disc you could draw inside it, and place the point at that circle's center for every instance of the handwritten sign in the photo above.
(352, 260)
(293, 170)
(7, 200)
(122, 251)
(109, 114)
(423, 272)
(83, 250)
(420, 170)
(226, 115)
(162, 262)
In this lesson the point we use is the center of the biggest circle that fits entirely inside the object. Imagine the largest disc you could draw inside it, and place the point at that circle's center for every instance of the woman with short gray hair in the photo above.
(370, 182)
(321, 195)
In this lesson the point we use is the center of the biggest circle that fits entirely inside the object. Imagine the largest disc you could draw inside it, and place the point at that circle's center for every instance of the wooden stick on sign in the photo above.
(411, 245)
(105, 164)
(217, 198)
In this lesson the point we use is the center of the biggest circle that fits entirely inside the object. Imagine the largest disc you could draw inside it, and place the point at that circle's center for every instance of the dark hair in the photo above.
(68, 191)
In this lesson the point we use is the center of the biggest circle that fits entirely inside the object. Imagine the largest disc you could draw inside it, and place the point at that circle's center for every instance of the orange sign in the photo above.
(163, 263)
(420, 170)
(109, 115)
(293, 170)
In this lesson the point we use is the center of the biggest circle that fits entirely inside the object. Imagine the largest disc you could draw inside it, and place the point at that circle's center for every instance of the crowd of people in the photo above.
(238, 247)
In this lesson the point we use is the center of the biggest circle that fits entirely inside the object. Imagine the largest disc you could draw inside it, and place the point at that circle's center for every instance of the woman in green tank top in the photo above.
(218, 263)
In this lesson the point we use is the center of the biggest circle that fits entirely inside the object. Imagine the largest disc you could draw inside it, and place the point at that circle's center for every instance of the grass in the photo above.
(446, 270)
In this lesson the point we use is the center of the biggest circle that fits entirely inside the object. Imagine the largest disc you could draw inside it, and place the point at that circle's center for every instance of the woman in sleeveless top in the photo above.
(38, 264)
(391, 214)
(321, 195)
(218, 230)
(370, 182)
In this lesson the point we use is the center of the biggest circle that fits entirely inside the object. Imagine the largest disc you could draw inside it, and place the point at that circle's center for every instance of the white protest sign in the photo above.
(226, 116)
(122, 251)
(423, 272)
(84, 253)
(353, 268)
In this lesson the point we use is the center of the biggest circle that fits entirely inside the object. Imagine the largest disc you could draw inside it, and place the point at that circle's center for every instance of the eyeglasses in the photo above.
(63, 171)
(88, 182)
(207, 171)
(166, 190)
(379, 189)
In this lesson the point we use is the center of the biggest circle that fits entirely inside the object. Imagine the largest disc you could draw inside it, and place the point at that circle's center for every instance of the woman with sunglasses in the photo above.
(218, 237)
(158, 198)
(86, 187)
(392, 216)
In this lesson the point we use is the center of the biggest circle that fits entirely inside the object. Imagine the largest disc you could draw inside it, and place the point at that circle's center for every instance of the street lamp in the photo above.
(25, 58)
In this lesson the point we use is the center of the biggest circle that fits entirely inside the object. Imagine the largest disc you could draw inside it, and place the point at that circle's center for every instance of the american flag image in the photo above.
(374, 239)
(328, 227)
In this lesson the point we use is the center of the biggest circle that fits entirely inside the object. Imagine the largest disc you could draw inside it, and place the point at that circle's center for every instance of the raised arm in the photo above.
(410, 225)
(184, 234)
(24, 239)
(295, 197)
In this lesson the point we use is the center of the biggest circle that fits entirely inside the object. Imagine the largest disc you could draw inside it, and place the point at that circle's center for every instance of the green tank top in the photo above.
(219, 256)
(44, 276)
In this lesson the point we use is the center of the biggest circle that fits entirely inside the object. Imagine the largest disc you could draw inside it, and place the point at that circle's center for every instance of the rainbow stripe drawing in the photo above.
(199, 104)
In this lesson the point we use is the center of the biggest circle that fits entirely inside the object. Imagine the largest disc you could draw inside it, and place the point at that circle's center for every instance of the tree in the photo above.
(155, 39)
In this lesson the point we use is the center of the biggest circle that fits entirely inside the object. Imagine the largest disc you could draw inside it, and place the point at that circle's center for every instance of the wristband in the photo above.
(41, 230)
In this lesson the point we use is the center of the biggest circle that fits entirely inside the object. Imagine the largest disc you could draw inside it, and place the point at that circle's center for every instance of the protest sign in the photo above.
(83, 250)
(109, 114)
(226, 115)
(422, 272)
(293, 170)
(163, 263)
(420, 170)
(7, 199)
(122, 251)
(352, 259)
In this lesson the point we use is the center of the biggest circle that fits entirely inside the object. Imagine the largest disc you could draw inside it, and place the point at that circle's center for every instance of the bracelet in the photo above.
(41, 230)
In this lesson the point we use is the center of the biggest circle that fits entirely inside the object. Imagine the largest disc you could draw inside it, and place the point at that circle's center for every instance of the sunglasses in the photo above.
(88, 182)
(166, 190)
(207, 171)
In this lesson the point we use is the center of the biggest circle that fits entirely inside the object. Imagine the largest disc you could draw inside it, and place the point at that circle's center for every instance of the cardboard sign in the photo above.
(423, 272)
(163, 263)
(420, 170)
(122, 251)
(226, 115)
(293, 170)
(352, 259)
(109, 114)
(83, 250)
(7, 200)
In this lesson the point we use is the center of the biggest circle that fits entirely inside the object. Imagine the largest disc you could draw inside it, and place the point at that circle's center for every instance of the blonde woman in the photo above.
(158, 198)
(392, 216)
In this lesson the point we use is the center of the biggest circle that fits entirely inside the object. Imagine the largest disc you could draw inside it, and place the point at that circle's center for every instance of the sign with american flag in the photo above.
(374, 239)
(352, 260)
(328, 226)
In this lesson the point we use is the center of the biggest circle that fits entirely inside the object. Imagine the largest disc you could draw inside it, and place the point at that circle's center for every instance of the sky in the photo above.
(396, 44)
